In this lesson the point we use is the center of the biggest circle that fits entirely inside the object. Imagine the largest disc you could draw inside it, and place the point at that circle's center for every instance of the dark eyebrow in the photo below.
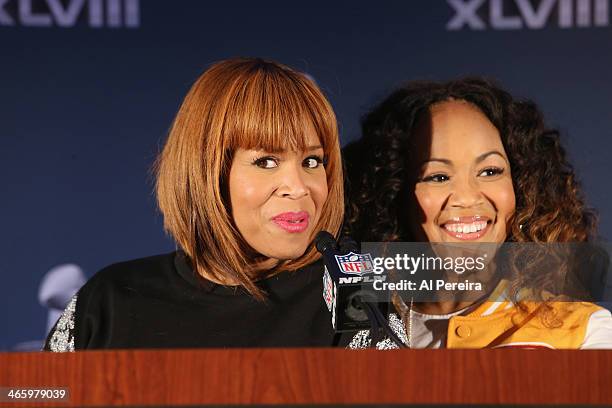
(487, 154)
(445, 161)
(478, 159)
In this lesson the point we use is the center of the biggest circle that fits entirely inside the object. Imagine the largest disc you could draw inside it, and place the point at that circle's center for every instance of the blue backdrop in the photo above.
(88, 89)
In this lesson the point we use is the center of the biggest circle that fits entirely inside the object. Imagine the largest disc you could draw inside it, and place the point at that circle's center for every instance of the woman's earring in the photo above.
(521, 227)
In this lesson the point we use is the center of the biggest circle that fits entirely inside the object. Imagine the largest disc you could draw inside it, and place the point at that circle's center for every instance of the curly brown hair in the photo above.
(549, 203)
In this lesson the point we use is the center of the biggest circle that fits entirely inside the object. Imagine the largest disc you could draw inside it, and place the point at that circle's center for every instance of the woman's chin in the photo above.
(287, 253)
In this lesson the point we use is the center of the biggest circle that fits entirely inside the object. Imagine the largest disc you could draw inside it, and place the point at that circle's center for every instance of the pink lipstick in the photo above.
(293, 222)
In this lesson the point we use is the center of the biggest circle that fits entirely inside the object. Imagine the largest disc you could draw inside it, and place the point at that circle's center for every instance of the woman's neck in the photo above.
(440, 308)
(263, 268)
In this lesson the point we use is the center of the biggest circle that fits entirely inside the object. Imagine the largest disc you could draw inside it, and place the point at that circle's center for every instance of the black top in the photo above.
(160, 301)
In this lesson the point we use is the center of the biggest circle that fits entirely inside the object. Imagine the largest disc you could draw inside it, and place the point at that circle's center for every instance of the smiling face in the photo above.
(277, 197)
(463, 188)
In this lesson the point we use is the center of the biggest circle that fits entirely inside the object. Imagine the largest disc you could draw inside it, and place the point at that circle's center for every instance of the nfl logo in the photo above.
(328, 289)
(355, 264)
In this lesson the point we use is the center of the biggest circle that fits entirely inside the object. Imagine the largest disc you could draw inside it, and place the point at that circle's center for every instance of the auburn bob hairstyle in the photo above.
(239, 103)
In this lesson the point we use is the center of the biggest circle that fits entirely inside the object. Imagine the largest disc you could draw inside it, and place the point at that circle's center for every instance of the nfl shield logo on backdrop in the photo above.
(355, 264)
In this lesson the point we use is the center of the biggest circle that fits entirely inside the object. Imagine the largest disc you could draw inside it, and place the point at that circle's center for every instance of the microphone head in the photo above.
(324, 241)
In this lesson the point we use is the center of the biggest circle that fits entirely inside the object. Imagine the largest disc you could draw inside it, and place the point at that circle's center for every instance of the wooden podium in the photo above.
(313, 376)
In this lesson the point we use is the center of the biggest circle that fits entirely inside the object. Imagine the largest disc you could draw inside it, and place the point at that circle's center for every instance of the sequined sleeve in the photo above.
(362, 338)
(61, 338)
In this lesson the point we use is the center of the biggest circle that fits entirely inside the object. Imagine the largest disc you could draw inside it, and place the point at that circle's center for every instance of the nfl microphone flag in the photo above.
(347, 284)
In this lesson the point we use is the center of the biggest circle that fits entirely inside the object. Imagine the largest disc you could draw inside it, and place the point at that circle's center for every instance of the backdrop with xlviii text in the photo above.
(88, 90)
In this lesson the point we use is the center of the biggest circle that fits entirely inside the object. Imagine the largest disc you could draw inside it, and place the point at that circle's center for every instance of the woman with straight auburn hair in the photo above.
(250, 172)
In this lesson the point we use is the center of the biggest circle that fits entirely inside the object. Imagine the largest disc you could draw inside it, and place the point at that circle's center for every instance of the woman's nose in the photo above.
(292, 182)
(465, 193)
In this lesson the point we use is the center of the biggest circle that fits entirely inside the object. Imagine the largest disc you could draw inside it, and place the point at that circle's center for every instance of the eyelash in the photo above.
(262, 161)
(496, 171)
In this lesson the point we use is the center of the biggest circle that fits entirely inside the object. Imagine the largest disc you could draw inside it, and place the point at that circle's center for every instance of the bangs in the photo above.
(272, 111)
(244, 103)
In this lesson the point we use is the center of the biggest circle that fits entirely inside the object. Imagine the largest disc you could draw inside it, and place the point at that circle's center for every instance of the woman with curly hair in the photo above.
(464, 162)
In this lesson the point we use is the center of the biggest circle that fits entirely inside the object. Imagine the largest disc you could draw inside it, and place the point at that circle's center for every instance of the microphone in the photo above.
(347, 284)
